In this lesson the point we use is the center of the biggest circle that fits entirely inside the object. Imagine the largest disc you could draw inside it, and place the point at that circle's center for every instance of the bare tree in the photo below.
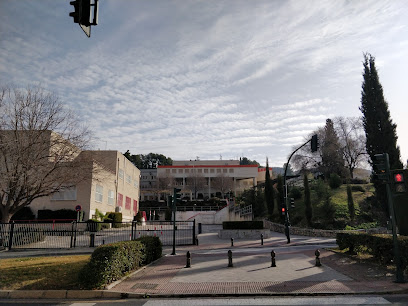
(352, 141)
(349, 141)
(165, 184)
(223, 183)
(196, 182)
(41, 146)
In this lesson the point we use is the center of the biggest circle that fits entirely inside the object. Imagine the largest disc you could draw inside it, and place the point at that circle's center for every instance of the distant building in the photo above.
(202, 179)
(148, 184)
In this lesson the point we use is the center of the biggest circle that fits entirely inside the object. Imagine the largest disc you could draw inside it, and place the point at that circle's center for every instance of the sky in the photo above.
(209, 79)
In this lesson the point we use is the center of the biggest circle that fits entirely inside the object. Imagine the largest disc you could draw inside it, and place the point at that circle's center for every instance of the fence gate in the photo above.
(83, 234)
(185, 231)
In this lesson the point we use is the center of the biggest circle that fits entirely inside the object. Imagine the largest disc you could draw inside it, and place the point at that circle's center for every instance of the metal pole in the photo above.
(174, 231)
(287, 222)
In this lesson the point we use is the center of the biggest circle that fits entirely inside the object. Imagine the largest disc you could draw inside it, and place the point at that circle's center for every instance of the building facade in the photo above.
(203, 179)
(112, 187)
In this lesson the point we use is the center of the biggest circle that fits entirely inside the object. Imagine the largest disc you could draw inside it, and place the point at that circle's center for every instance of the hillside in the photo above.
(367, 210)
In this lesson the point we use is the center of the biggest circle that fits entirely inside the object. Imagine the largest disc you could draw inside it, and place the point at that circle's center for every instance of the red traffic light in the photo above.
(398, 178)
(283, 211)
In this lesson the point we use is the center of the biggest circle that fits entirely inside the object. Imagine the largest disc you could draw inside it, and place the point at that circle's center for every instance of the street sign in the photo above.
(78, 208)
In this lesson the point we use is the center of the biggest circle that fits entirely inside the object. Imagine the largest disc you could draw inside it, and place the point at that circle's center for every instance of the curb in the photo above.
(102, 294)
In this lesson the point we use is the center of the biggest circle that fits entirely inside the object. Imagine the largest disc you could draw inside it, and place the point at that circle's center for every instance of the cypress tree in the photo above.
(381, 135)
(350, 203)
(269, 191)
(308, 203)
(379, 129)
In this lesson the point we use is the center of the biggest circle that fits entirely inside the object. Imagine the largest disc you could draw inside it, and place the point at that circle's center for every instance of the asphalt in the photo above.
(252, 273)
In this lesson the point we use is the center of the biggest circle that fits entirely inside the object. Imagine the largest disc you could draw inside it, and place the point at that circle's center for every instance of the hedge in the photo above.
(378, 245)
(110, 262)
(247, 225)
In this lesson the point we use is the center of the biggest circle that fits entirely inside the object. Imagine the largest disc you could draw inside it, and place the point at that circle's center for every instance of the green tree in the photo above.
(328, 210)
(151, 160)
(380, 131)
(308, 202)
(331, 153)
(350, 202)
(247, 161)
(269, 191)
(256, 198)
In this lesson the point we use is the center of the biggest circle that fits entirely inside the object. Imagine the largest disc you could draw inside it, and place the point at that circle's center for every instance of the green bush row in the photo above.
(242, 225)
(378, 245)
(110, 262)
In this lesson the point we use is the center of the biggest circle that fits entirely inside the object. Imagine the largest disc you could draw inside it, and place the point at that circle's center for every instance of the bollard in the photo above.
(92, 240)
(318, 263)
(230, 259)
(196, 240)
(232, 242)
(188, 256)
(103, 241)
(273, 264)
(261, 239)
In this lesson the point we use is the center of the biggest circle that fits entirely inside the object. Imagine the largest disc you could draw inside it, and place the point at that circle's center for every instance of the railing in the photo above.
(83, 234)
(184, 208)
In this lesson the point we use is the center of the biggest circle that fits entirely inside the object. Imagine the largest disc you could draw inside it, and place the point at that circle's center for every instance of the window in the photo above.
(200, 170)
(121, 174)
(65, 194)
(187, 171)
(128, 179)
(180, 170)
(231, 170)
(135, 184)
(173, 170)
(111, 197)
(128, 203)
(218, 170)
(168, 171)
(120, 199)
(224, 170)
(211, 170)
(205, 170)
(135, 207)
(99, 193)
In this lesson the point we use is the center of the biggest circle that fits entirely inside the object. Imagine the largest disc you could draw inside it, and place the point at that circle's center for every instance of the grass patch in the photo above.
(42, 273)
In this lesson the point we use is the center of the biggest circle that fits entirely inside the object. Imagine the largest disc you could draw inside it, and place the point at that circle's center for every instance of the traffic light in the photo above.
(76, 14)
(292, 202)
(176, 196)
(85, 14)
(314, 143)
(283, 211)
(399, 181)
(381, 167)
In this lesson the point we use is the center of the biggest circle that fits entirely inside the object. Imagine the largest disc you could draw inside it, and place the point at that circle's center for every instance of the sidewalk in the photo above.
(295, 272)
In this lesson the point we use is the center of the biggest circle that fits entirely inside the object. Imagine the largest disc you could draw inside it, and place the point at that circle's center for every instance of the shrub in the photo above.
(295, 193)
(110, 262)
(152, 248)
(380, 246)
(93, 225)
(242, 225)
(320, 188)
(57, 214)
(335, 181)
(116, 218)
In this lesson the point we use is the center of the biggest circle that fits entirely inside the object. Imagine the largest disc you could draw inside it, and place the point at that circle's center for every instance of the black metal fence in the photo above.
(83, 234)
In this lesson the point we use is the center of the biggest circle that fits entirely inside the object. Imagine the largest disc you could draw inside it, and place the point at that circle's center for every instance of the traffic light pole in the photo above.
(287, 222)
(383, 164)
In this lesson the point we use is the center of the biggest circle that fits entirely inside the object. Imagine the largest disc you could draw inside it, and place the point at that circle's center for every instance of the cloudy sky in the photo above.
(209, 78)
